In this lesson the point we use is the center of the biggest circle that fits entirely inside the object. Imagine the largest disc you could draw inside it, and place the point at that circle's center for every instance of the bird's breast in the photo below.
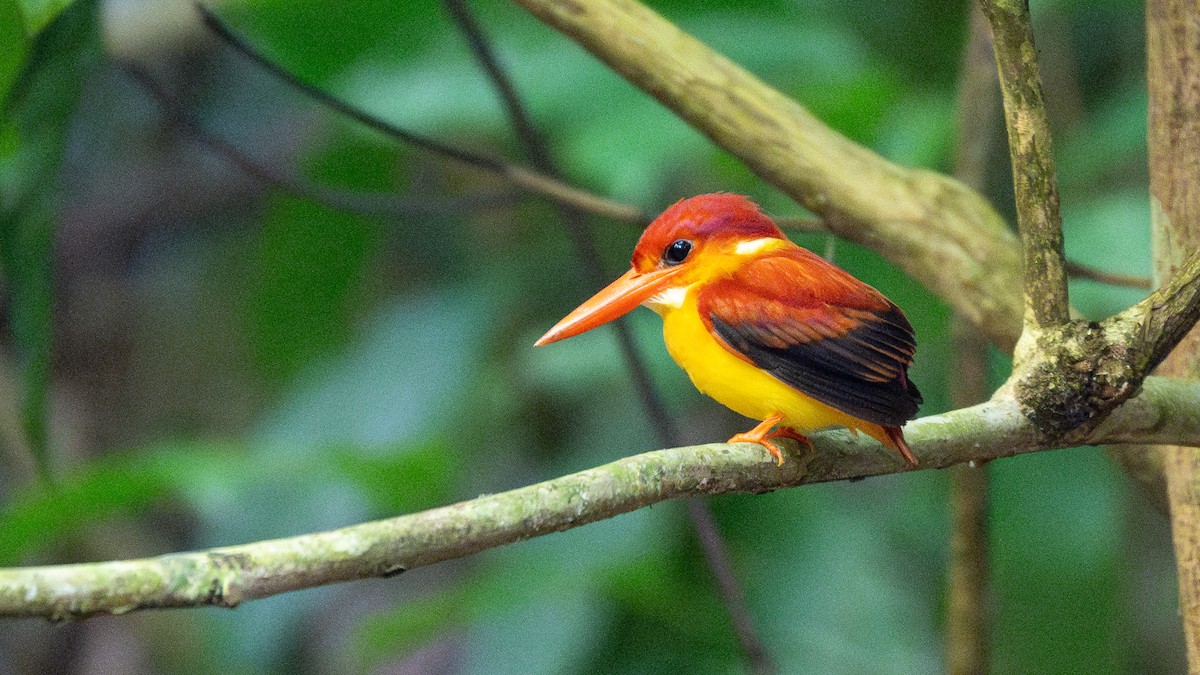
(733, 381)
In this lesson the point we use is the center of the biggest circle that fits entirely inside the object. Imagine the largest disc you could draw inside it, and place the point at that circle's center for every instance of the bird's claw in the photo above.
(758, 436)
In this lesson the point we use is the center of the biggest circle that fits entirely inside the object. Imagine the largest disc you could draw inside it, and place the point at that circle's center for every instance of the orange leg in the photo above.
(762, 434)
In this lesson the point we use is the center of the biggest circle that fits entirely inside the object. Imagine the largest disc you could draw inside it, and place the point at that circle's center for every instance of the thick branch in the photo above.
(1070, 377)
(940, 232)
(1038, 219)
(1167, 411)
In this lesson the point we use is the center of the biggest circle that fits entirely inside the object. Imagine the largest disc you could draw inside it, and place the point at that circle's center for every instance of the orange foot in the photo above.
(762, 434)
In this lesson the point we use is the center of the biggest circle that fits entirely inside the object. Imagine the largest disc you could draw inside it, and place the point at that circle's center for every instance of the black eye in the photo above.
(677, 252)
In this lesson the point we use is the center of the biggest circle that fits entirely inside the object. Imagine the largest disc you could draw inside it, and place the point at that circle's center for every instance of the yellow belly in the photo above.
(741, 386)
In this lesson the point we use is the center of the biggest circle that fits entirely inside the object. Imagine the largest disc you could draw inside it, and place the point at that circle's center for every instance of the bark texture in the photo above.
(1173, 72)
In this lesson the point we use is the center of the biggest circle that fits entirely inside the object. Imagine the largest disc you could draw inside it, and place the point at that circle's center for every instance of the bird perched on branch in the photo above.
(765, 327)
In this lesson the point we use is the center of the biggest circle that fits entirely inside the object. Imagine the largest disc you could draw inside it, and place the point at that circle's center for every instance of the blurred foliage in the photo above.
(232, 362)
(37, 110)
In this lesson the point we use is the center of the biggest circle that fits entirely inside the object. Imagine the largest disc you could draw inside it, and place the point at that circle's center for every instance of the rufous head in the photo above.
(667, 256)
(698, 224)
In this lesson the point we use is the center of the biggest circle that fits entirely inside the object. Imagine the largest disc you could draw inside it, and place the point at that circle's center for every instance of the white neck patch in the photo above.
(672, 297)
(754, 245)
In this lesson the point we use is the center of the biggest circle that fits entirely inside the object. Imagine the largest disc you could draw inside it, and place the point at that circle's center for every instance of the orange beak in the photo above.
(616, 300)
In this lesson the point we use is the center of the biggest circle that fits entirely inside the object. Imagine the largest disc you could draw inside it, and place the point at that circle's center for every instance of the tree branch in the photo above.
(1167, 411)
(968, 613)
(1038, 219)
(350, 201)
(532, 181)
(1068, 375)
(1081, 271)
(1159, 322)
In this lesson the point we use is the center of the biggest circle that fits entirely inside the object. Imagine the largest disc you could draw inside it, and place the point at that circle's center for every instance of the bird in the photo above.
(765, 327)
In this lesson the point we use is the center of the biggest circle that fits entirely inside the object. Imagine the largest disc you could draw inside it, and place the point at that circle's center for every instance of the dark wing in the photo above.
(820, 331)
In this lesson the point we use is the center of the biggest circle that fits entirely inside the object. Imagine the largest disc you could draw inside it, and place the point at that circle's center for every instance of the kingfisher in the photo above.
(766, 328)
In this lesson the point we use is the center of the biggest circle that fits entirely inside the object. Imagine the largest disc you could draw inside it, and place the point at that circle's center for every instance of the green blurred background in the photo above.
(210, 360)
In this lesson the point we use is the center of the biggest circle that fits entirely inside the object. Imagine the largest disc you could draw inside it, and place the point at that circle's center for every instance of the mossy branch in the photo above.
(1167, 411)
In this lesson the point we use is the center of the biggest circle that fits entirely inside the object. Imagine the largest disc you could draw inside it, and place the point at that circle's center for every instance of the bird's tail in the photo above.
(896, 436)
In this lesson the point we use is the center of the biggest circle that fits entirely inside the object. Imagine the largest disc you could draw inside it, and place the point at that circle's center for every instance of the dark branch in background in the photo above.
(532, 182)
(968, 612)
(1038, 219)
(350, 201)
(231, 38)
(1081, 271)
(521, 177)
(577, 228)
(729, 589)
(716, 553)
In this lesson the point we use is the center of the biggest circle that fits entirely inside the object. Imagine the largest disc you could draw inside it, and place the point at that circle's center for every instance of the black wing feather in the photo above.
(832, 370)
(863, 372)
(819, 330)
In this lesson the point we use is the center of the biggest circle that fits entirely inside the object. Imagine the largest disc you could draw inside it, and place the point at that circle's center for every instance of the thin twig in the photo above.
(521, 177)
(1039, 221)
(1081, 271)
(716, 553)
(350, 201)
